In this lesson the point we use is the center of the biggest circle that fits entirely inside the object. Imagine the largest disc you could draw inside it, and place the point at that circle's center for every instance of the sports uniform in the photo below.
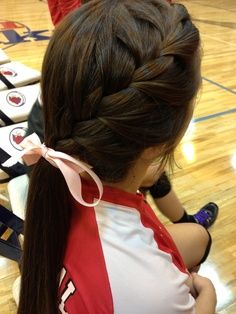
(120, 259)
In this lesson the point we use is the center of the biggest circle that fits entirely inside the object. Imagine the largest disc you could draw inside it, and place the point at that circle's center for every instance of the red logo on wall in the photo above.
(7, 72)
(15, 99)
(16, 137)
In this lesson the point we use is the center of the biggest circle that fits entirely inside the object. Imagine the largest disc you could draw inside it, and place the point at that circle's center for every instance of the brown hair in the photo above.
(118, 77)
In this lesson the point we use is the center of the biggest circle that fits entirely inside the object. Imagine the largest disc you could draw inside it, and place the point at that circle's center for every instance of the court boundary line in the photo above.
(219, 85)
(214, 115)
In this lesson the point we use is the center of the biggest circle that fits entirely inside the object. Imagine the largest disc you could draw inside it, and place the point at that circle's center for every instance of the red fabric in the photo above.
(85, 286)
(162, 237)
(60, 8)
(85, 266)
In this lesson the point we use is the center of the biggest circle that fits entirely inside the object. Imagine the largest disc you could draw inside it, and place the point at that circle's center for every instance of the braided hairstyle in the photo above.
(118, 77)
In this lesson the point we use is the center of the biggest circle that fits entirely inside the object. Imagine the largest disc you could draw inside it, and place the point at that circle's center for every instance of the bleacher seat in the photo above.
(16, 104)
(3, 57)
(16, 74)
(10, 138)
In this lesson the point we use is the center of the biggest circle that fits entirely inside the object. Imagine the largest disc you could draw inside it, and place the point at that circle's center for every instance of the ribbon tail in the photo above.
(74, 184)
(78, 167)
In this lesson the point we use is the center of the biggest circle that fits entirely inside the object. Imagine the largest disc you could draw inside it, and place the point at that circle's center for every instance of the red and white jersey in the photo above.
(120, 259)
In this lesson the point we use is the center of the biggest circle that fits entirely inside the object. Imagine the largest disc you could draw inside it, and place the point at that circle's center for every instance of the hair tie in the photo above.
(69, 166)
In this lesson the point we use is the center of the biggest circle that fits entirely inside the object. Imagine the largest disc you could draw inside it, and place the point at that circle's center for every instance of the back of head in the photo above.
(119, 76)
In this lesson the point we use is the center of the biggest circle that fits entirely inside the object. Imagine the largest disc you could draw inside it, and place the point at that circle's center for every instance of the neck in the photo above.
(134, 179)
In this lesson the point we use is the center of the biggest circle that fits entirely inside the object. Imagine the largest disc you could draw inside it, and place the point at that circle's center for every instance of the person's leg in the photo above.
(170, 206)
(193, 242)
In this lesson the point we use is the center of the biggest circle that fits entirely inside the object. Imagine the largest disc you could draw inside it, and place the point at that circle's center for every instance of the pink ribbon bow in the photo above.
(69, 166)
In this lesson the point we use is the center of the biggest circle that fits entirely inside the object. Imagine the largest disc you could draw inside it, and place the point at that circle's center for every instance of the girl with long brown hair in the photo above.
(119, 80)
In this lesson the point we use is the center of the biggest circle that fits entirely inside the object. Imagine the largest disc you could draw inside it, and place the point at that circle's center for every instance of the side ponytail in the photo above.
(47, 224)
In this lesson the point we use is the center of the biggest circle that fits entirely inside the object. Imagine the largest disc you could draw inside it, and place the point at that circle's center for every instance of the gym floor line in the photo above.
(214, 115)
(221, 113)
(219, 85)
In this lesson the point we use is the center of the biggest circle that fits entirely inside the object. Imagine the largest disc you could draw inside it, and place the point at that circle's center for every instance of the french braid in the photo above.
(132, 75)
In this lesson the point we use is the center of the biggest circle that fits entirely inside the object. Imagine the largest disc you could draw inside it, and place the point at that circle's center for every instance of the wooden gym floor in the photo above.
(207, 154)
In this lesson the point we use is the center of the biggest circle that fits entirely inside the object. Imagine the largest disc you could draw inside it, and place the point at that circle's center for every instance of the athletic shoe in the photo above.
(207, 215)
